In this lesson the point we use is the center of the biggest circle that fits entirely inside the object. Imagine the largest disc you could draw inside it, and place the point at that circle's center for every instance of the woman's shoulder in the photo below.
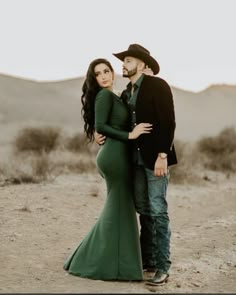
(107, 93)
(104, 96)
(104, 91)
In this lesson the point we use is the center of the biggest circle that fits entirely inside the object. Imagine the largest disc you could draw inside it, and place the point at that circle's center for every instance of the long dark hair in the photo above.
(90, 89)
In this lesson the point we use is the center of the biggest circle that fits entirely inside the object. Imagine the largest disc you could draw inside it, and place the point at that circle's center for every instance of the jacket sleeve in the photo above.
(103, 110)
(164, 107)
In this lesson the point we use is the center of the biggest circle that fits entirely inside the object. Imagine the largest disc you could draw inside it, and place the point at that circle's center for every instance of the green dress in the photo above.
(111, 249)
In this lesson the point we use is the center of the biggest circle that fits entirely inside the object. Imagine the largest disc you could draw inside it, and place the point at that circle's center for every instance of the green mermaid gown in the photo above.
(111, 249)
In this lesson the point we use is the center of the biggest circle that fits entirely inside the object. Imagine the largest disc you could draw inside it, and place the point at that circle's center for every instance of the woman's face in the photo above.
(104, 76)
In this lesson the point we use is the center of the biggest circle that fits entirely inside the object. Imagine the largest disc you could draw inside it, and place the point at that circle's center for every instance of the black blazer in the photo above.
(155, 105)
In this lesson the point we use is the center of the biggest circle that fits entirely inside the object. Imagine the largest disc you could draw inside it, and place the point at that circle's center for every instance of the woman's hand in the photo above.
(148, 71)
(141, 128)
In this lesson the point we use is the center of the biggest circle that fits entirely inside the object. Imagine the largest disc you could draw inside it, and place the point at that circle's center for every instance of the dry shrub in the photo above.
(197, 161)
(220, 150)
(41, 154)
(41, 166)
(29, 168)
(180, 172)
(38, 140)
(64, 162)
(2, 173)
(189, 169)
(77, 143)
(37, 168)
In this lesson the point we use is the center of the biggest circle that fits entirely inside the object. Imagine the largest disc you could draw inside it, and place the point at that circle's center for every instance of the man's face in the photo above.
(130, 66)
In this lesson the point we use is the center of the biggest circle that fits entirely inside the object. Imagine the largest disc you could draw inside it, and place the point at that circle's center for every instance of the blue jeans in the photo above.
(151, 204)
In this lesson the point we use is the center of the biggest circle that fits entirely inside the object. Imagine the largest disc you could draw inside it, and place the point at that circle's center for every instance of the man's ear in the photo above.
(141, 66)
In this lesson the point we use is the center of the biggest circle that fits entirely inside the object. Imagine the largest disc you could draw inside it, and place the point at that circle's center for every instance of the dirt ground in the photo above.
(40, 224)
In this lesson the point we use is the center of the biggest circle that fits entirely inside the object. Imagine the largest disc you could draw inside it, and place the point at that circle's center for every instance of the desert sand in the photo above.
(41, 224)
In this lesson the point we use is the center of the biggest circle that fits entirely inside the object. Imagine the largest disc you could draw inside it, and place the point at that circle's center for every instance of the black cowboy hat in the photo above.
(138, 51)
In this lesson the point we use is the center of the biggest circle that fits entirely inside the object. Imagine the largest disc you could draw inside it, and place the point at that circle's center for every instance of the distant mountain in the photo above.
(58, 103)
(49, 102)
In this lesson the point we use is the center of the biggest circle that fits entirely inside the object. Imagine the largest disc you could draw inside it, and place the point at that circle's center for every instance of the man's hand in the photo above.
(99, 138)
(160, 168)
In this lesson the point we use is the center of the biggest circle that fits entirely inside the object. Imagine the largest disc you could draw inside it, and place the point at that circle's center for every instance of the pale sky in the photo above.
(193, 40)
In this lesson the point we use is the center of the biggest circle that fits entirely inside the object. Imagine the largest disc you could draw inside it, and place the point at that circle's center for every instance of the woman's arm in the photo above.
(103, 109)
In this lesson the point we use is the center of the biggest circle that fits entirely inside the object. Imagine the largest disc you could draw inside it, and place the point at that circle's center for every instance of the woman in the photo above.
(111, 249)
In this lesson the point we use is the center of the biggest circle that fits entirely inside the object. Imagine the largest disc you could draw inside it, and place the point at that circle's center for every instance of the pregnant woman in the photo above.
(111, 249)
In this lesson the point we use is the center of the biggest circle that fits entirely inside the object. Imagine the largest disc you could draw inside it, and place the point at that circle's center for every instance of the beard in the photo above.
(130, 73)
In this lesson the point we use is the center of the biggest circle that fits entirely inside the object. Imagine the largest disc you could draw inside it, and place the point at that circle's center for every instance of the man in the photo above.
(150, 100)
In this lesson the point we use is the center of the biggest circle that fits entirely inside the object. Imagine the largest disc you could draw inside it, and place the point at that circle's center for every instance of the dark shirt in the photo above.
(131, 101)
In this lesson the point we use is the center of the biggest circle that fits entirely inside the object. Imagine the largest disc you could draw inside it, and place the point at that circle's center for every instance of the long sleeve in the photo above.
(164, 106)
(103, 111)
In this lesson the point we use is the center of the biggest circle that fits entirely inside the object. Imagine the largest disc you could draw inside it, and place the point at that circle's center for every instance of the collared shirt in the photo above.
(132, 98)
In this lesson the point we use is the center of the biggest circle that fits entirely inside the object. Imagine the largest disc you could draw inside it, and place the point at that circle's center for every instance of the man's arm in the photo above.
(164, 106)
